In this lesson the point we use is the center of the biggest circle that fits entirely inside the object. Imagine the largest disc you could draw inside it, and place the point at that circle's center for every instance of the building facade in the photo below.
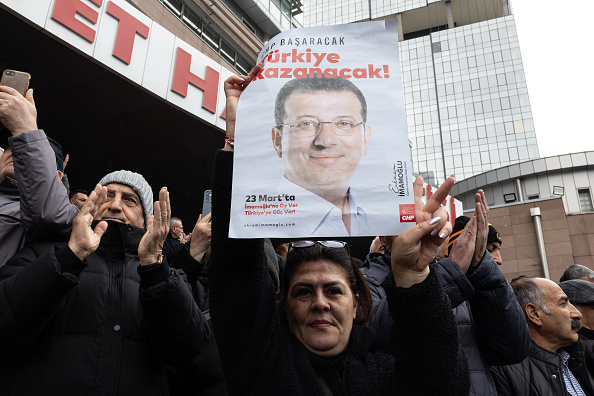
(137, 84)
(568, 176)
(230, 32)
(543, 211)
(465, 91)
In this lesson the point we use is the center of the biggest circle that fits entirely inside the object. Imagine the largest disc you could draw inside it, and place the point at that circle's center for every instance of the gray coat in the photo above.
(37, 208)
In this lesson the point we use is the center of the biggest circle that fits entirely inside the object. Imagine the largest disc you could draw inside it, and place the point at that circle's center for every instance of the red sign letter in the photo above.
(65, 13)
(128, 26)
(182, 76)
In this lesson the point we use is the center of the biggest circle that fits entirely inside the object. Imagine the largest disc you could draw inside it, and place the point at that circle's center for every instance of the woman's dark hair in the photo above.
(342, 258)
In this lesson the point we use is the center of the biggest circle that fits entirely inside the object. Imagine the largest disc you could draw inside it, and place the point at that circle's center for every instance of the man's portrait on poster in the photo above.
(321, 135)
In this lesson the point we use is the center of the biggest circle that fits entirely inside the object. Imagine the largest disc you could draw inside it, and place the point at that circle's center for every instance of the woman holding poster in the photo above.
(315, 342)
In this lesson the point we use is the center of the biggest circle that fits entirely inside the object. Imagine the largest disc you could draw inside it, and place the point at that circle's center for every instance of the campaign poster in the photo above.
(321, 143)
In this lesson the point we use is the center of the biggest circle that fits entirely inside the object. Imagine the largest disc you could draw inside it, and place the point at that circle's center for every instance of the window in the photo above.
(511, 197)
(286, 9)
(174, 5)
(193, 21)
(534, 196)
(585, 200)
(200, 26)
(243, 66)
(211, 38)
(248, 25)
(227, 52)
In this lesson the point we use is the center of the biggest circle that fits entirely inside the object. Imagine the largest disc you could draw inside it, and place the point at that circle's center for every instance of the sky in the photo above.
(557, 46)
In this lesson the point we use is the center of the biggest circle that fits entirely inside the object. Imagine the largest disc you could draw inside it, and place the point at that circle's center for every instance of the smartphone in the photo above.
(16, 79)
(206, 208)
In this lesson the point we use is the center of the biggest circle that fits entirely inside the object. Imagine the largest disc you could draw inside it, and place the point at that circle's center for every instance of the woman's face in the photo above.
(321, 307)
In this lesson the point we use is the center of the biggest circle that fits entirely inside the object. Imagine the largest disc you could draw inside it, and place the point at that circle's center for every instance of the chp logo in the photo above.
(407, 213)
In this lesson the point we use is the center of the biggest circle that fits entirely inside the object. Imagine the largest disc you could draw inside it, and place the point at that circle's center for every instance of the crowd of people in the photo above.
(103, 293)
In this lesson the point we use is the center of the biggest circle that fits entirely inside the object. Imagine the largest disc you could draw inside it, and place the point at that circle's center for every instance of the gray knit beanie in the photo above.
(137, 183)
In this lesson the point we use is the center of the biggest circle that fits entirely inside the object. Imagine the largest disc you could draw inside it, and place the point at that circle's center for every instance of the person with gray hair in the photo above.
(556, 364)
(577, 271)
(581, 295)
(175, 240)
(105, 305)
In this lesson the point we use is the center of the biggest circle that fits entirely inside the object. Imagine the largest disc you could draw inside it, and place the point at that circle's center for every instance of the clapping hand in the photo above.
(151, 244)
(470, 246)
(202, 234)
(84, 240)
(482, 228)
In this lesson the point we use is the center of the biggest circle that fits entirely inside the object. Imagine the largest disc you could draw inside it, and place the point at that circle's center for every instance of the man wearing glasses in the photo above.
(321, 136)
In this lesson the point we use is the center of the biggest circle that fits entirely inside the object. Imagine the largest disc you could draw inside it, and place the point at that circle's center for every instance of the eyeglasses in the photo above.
(312, 128)
(330, 244)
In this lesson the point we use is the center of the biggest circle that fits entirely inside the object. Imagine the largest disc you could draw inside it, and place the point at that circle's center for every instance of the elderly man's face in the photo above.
(6, 165)
(562, 325)
(122, 204)
(325, 159)
(177, 229)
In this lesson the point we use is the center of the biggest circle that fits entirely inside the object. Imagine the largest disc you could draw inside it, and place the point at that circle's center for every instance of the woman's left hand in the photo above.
(416, 247)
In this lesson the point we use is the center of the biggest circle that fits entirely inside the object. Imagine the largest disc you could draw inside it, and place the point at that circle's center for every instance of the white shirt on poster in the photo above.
(314, 216)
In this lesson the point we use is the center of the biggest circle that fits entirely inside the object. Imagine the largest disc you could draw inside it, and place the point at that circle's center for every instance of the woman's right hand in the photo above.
(416, 247)
(234, 86)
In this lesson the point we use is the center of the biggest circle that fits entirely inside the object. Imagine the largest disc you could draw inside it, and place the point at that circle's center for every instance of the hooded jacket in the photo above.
(36, 209)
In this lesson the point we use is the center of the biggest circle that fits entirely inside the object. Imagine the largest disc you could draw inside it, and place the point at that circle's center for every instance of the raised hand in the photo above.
(201, 237)
(84, 240)
(462, 252)
(416, 247)
(150, 248)
(234, 86)
(17, 113)
(482, 229)
(66, 159)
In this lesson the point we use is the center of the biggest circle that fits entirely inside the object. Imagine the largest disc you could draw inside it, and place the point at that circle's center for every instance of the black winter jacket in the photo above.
(586, 337)
(203, 374)
(102, 326)
(261, 356)
(540, 373)
(490, 322)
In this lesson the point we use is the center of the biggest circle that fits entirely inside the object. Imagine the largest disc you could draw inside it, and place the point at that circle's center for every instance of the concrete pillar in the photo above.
(519, 190)
(535, 213)
(450, 13)
(504, 7)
